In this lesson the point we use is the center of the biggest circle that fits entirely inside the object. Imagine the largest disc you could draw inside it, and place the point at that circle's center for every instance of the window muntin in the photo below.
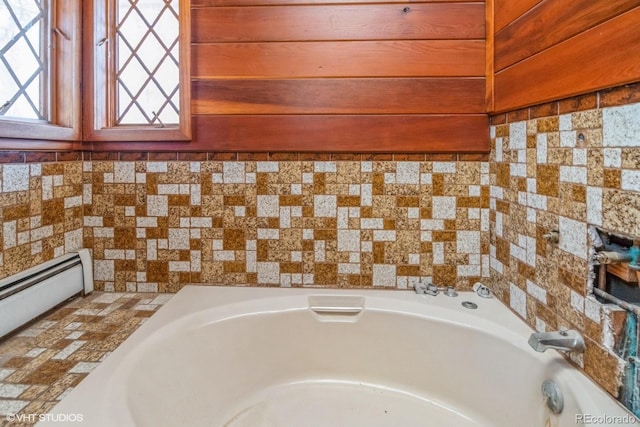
(24, 59)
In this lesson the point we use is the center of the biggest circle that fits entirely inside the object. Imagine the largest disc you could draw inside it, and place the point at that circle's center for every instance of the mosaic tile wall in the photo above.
(40, 213)
(158, 225)
(562, 171)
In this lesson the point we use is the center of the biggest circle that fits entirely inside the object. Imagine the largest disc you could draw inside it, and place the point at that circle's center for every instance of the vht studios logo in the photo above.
(56, 418)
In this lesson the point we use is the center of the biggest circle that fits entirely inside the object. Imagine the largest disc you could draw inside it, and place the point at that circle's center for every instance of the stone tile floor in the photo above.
(41, 363)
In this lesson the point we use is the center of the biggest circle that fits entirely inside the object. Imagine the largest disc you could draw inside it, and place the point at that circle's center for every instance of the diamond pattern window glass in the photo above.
(147, 64)
(23, 59)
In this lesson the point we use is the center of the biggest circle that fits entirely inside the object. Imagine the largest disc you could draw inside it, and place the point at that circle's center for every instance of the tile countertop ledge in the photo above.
(42, 362)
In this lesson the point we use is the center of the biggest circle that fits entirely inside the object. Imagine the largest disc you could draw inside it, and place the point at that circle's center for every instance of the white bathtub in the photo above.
(220, 356)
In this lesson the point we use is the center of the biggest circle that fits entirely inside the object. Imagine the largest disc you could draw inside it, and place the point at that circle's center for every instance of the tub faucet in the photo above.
(426, 288)
(563, 340)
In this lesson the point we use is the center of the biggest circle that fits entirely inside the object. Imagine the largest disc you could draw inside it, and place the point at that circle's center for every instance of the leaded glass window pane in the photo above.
(147, 79)
(23, 59)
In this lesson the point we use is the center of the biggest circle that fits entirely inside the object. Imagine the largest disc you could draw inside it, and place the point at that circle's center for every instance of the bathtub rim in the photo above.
(197, 301)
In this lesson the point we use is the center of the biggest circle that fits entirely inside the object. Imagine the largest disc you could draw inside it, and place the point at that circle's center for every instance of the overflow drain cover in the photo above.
(469, 304)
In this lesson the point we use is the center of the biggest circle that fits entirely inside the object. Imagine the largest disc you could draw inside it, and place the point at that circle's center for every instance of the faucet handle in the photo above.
(482, 290)
(420, 288)
(432, 289)
(450, 292)
(426, 288)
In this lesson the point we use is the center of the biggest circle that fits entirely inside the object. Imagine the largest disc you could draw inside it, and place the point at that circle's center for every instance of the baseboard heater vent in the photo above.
(28, 294)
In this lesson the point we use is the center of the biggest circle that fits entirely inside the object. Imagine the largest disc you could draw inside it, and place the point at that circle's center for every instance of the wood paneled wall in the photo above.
(311, 75)
(551, 49)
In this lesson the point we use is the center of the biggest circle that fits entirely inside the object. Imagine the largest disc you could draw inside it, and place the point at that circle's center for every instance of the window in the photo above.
(23, 59)
(40, 69)
(147, 73)
(137, 54)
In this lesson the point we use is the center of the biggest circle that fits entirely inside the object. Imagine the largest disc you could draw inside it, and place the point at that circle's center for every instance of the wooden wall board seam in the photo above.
(489, 54)
(508, 11)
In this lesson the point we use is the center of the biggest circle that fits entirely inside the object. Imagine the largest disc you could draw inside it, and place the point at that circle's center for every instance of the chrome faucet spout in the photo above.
(563, 340)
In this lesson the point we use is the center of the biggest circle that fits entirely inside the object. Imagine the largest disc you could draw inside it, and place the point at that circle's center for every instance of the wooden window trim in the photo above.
(97, 106)
(64, 74)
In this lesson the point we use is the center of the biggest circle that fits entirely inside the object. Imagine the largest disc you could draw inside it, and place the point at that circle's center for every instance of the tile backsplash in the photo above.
(563, 172)
(40, 213)
(158, 225)
(281, 220)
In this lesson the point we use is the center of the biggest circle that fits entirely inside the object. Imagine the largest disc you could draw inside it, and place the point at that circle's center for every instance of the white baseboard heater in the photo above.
(28, 294)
